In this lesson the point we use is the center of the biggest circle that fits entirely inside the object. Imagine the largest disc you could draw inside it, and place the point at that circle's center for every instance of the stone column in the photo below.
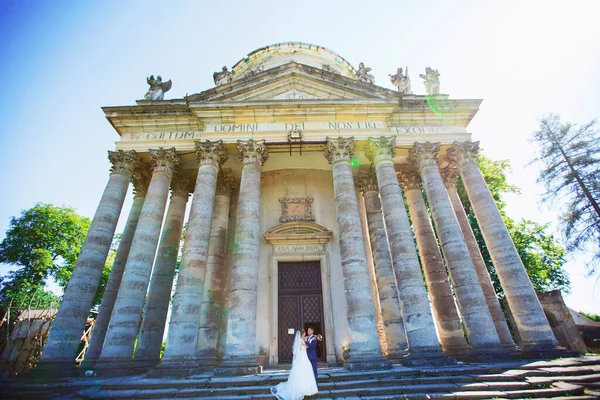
(58, 357)
(449, 174)
(141, 179)
(240, 348)
(446, 316)
(365, 352)
(423, 344)
(473, 307)
(180, 352)
(117, 350)
(161, 284)
(384, 272)
(212, 302)
(530, 320)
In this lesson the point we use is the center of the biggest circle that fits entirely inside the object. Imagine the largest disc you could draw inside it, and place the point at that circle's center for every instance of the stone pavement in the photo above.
(572, 378)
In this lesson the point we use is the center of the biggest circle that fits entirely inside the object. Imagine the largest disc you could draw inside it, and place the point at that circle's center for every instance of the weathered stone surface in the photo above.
(185, 316)
(449, 175)
(561, 321)
(384, 272)
(63, 343)
(440, 293)
(469, 295)
(140, 183)
(240, 348)
(212, 302)
(361, 318)
(161, 284)
(127, 312)
(418, 320)
(530, 320)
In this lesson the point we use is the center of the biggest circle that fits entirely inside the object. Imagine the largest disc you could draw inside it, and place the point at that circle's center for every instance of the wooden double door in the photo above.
(300, 305)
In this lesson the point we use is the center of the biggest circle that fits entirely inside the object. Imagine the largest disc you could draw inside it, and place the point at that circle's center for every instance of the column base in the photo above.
(427, 358)
(238, 367)
(364, 363)
(182, 367)
(50, 370)
(489, 355)
(545, 352)
(112, 367)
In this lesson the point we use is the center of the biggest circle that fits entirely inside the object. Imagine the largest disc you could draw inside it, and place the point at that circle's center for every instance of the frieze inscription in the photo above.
(298, 248)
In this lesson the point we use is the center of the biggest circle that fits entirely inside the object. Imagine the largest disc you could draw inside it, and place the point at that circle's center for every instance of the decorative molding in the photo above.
(301, 234)
(381, 148)
(367, 180)
(182, 186)
(339, 149)
(123, 162)
(449, 175)
(141, 179)
(408, 177)
(463, 153)
(253, 151)
(424, 154)
(296, 209)
(164, 160)
(225, 183)
(211, 153)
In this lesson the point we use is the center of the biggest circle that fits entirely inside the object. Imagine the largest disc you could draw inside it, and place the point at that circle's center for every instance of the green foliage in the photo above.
(43, 242)
(542, 255)
(593, 317)
(570, 156)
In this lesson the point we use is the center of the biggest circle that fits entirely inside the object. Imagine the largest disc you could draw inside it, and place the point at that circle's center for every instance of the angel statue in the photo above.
(363, 74)
(431, 81)
(223, 77)
(402, 82)
(157, 88)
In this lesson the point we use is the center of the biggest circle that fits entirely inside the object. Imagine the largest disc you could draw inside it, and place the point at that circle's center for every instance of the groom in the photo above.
(311, 351)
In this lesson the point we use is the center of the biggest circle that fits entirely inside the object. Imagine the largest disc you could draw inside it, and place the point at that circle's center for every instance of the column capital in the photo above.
(123, 162)
(339, 149)
(182, 185)
(449, 175)
(164, 160)
(211, 153)
(408, 177)
(367, 180)
(141, 179)
(225, 183)
(381, 148)
(463, 153)
(424, 154)
(253, 151)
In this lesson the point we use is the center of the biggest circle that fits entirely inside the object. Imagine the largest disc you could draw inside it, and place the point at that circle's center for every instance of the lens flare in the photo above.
(435, 105)
(354, 162)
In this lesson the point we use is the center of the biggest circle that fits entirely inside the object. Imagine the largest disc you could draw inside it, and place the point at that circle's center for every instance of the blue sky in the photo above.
(63, 60)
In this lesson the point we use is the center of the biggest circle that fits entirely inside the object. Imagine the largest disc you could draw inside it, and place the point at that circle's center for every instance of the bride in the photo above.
(301, 381)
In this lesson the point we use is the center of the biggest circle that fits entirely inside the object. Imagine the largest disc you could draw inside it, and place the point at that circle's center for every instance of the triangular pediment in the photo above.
(294, 82)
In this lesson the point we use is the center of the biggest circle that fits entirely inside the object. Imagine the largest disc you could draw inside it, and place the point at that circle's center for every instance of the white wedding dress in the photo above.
(301, 381)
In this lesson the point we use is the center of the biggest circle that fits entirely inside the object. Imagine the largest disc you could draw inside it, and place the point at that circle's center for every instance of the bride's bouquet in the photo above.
(319, 337)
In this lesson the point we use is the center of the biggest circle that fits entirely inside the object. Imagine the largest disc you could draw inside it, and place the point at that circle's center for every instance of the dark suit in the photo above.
(311, 352)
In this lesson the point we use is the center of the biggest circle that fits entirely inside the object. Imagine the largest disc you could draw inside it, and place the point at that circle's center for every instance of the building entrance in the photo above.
(300, 305)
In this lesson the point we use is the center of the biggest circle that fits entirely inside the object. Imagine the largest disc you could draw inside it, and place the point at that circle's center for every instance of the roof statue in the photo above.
(363, 74)
(431, 81)
(401, 81)
(157, 88)
(222, 77)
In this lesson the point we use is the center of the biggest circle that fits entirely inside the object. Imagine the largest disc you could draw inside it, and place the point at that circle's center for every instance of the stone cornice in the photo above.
(299, 232)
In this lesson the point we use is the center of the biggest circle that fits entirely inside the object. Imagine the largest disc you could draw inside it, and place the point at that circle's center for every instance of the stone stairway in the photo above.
(572, 378)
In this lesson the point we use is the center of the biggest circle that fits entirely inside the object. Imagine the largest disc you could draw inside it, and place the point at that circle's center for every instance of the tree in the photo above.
(43, 242)
(571, 174)
(542, 255)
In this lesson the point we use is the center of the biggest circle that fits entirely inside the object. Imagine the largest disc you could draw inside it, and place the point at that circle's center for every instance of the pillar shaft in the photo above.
(161, 284)
(418, 320)
(240, 348)
(531, 322)
(127, 312)
(140, 182)
(364, 342)
(63, 343)
(447, 319)
(212, 302)
(185, 318)
(384, 272)
(491, 298)
(469, 295)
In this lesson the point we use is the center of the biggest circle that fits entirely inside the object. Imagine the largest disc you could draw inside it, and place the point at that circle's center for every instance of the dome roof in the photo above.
(282, 53)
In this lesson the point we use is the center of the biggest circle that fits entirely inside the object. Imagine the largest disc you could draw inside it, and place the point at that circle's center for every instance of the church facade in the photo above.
(312, 195)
